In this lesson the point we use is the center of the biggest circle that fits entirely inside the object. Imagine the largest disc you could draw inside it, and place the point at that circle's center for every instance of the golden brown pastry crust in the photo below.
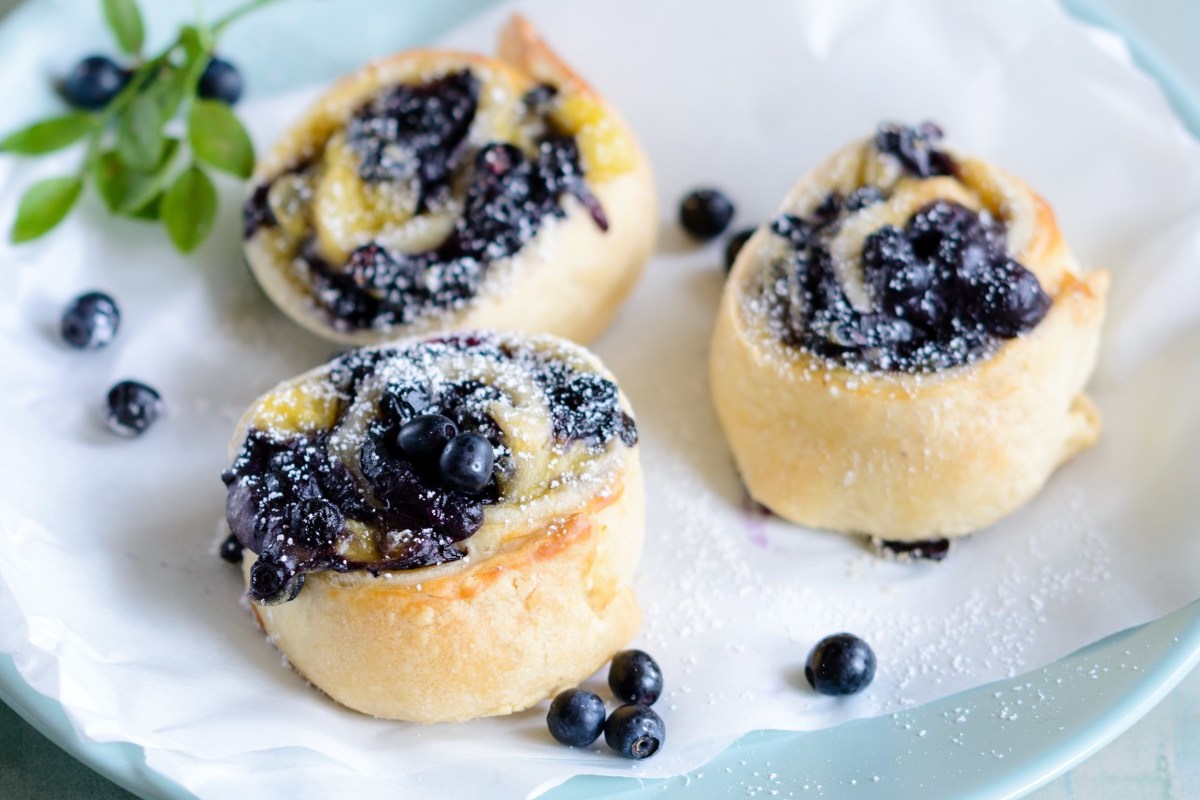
(542, 600)
(912, 456)
(568, 280)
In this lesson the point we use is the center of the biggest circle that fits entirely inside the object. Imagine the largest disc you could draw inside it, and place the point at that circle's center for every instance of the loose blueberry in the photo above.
(635, 731)
(576, 717)
(424, 438)
(220, 81)
(705, 213)
(635, 677)
(927, 550)
(90, 321)
(132, 408)
(840, 664)
(735, 245)
(466, 462)
(231, 550)
(94, 82)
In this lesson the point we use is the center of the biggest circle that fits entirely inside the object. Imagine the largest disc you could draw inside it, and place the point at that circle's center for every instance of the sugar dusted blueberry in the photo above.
(840, 664)
(576, 717)
(635, 731)
(424, 438)
(132, 408)
(635, 677)
(91, 321)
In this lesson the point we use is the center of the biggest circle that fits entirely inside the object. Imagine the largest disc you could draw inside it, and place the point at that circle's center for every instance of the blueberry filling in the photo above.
(915, 148)
(430, 462)
(419, 135)
(943, 290)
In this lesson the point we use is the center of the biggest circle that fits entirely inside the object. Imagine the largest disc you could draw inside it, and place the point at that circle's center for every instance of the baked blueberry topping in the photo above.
(415, 133)
(635, 677)
(94, 82)
(735, 245)
(915, 148)
(90, 321)
(430, 462)
(840, 664)
(423, 438)
(231, 550)
(466, 463)
(576, 717)
(943, 289)
(705, 213)
(220, 81)
(272, 582)
(132, 408)
(635, 731)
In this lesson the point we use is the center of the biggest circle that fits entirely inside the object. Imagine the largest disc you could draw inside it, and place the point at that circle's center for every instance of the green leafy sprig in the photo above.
(138, 168)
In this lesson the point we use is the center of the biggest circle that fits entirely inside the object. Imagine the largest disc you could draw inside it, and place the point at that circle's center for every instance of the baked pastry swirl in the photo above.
(902, 350)
(438, 190)
(408, 573)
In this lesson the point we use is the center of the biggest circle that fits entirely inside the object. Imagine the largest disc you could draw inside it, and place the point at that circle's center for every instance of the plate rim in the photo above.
(124, 763)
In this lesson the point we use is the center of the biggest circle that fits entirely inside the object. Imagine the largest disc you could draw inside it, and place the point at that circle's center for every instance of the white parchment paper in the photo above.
(113, 601)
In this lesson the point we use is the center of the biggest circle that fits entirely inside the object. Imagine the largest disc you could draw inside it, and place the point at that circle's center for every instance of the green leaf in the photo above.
(189, 208)
(139, 134)
(168, 89)
(218, 138)
(152, 211)
(125, 20)
(49, 135)
(126, 191)
(43, 206)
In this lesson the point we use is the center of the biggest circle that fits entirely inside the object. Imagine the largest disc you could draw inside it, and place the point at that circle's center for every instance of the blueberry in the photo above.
(576, 717)
(132, 408)
(862, 197)
(231, 550)
(635, 677)
(94, 82)
(1015, 302)
(635, 731)
(735, 245)
(840, 664)
(926, 550)
(425, 437)
(272, 583)
(705, 213)
(316, 521)
(466, 462)
(90, 321)
(915, 148)
(220, 81)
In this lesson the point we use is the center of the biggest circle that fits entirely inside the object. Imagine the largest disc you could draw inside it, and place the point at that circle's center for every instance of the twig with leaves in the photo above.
(130, 155)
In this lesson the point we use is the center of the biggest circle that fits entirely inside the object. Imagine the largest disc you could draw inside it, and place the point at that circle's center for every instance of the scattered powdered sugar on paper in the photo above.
(733, 599)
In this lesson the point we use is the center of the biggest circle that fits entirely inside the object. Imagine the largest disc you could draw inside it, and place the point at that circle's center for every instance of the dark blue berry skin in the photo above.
(220, 81)
(132, 408)
(635, 731)
(424, 438)
(635, 677)
(840, 664)
(576, 717)
(90, 321)
(705, 213)
(272, 583)
(231, 550)
(94, 82)
(466, 462)
(734, 246)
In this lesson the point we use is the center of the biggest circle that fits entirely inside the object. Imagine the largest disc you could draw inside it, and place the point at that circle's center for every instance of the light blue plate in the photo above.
(999, 741)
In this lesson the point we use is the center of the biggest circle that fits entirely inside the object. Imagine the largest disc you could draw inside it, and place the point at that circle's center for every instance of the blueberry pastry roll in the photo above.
(443, 528)
(902, 350)
(437, 190)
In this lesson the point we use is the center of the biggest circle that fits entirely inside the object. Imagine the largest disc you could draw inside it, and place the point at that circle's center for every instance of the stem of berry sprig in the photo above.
(139, 169)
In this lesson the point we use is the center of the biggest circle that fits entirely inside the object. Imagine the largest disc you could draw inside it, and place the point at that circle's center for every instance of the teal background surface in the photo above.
(1159, 757)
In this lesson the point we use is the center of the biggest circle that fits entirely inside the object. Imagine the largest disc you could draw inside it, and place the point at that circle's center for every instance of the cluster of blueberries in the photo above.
(577, 717)
(90, 322)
